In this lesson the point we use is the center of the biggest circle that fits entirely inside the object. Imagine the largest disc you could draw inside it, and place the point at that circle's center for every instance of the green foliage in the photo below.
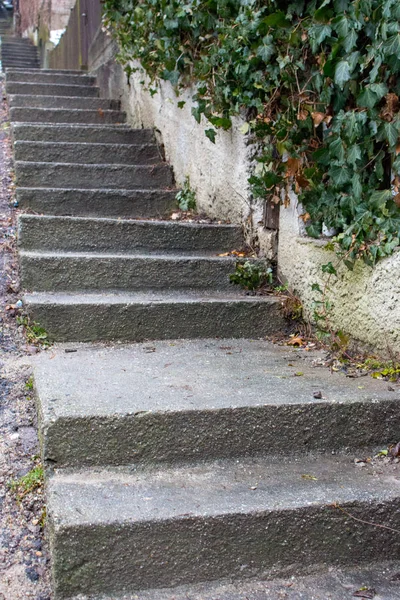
(28, 483)
(318, 83)
(35, 333)
(186, 197)
(251, 275)
(29, 384)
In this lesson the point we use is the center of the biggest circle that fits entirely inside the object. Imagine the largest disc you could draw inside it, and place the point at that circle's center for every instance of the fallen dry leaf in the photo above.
(317, 118)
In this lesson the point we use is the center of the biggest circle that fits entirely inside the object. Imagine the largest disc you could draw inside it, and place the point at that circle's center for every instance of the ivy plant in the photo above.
(318, 84)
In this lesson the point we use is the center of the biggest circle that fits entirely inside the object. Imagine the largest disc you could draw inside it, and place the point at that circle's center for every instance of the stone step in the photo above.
(50, 78)
(86, 153)
(109, 176)
(12, 49)
(44, 89)
(332, 583)
(8, 63)
(119, 203)
(62, 102)
(99, 134)
(200, 399)
(103, 272)
(62, 115)
(104, 235)
(27, 54)
(154, 315)
(112, 532)
(59, 71)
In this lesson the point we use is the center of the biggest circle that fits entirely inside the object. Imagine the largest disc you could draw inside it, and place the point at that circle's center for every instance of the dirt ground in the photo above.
(23, 553)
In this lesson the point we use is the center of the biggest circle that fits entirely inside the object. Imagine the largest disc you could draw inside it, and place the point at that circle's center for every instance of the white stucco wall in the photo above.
(218, 172)
(365, 301)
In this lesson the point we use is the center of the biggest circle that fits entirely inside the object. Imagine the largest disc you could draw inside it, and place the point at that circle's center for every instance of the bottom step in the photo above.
(379, 581)
(114, 532)
(152, 315)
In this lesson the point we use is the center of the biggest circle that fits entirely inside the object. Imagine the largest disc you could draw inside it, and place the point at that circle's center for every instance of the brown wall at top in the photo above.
(44, 15)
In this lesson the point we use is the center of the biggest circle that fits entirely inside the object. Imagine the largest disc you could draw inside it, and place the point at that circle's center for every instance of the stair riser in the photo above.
(49, 78)
(29, 57)
(6, 63)
(95, 135)
(55, 90)
(92, 176)
(138, 322)
(79, 235)
(43, 115)
(130, 556)
(136, 204)
(123, 154)
(159, 437)
(62, 102)
(74, 274)
(58, 71)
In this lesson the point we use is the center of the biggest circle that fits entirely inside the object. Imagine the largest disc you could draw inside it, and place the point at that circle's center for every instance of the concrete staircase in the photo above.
(15, 52)
(113, 279)
(174, 461)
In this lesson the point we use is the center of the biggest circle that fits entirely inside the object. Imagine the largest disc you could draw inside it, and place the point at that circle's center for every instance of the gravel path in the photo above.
(23, 552)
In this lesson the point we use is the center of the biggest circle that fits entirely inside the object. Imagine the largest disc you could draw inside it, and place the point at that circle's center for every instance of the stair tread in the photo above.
(146, 297)
(216, 488)
(224, 374)
(333, 584)
(148, 253)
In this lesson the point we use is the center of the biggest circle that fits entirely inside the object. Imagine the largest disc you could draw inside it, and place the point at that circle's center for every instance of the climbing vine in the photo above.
(318, 84)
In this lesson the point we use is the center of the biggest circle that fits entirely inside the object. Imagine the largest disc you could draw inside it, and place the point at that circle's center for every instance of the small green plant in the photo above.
(29, 383)
(35, 333)
(337, 340)
(28, 483)
(251, 275)
(186, 197)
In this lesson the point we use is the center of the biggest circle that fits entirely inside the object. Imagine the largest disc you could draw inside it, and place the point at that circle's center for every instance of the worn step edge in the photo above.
(79, 233)
(87, 152)
(233, 519)
(315, 583)
(70, 132)
(136, 317)
(93, 176)
(49, 78)
(200, 399)
(24, 100)
(66, 115)
(51, 88)
(117, 203)
(83, 271)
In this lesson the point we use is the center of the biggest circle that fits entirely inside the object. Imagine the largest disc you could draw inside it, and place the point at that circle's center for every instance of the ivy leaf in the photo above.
(339, 175)
(391, 133)
(277, 19)
(350, 40)
(392, 45)
(265, 52)
(211, 134)
(342, 73)
(379, 198)
(367, 98)
(221, 122)
(354, 154)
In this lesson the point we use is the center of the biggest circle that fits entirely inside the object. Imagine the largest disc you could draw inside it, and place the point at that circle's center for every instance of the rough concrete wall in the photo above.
(46, 15)
(365, 301)
(218, 172)
(33, 12)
